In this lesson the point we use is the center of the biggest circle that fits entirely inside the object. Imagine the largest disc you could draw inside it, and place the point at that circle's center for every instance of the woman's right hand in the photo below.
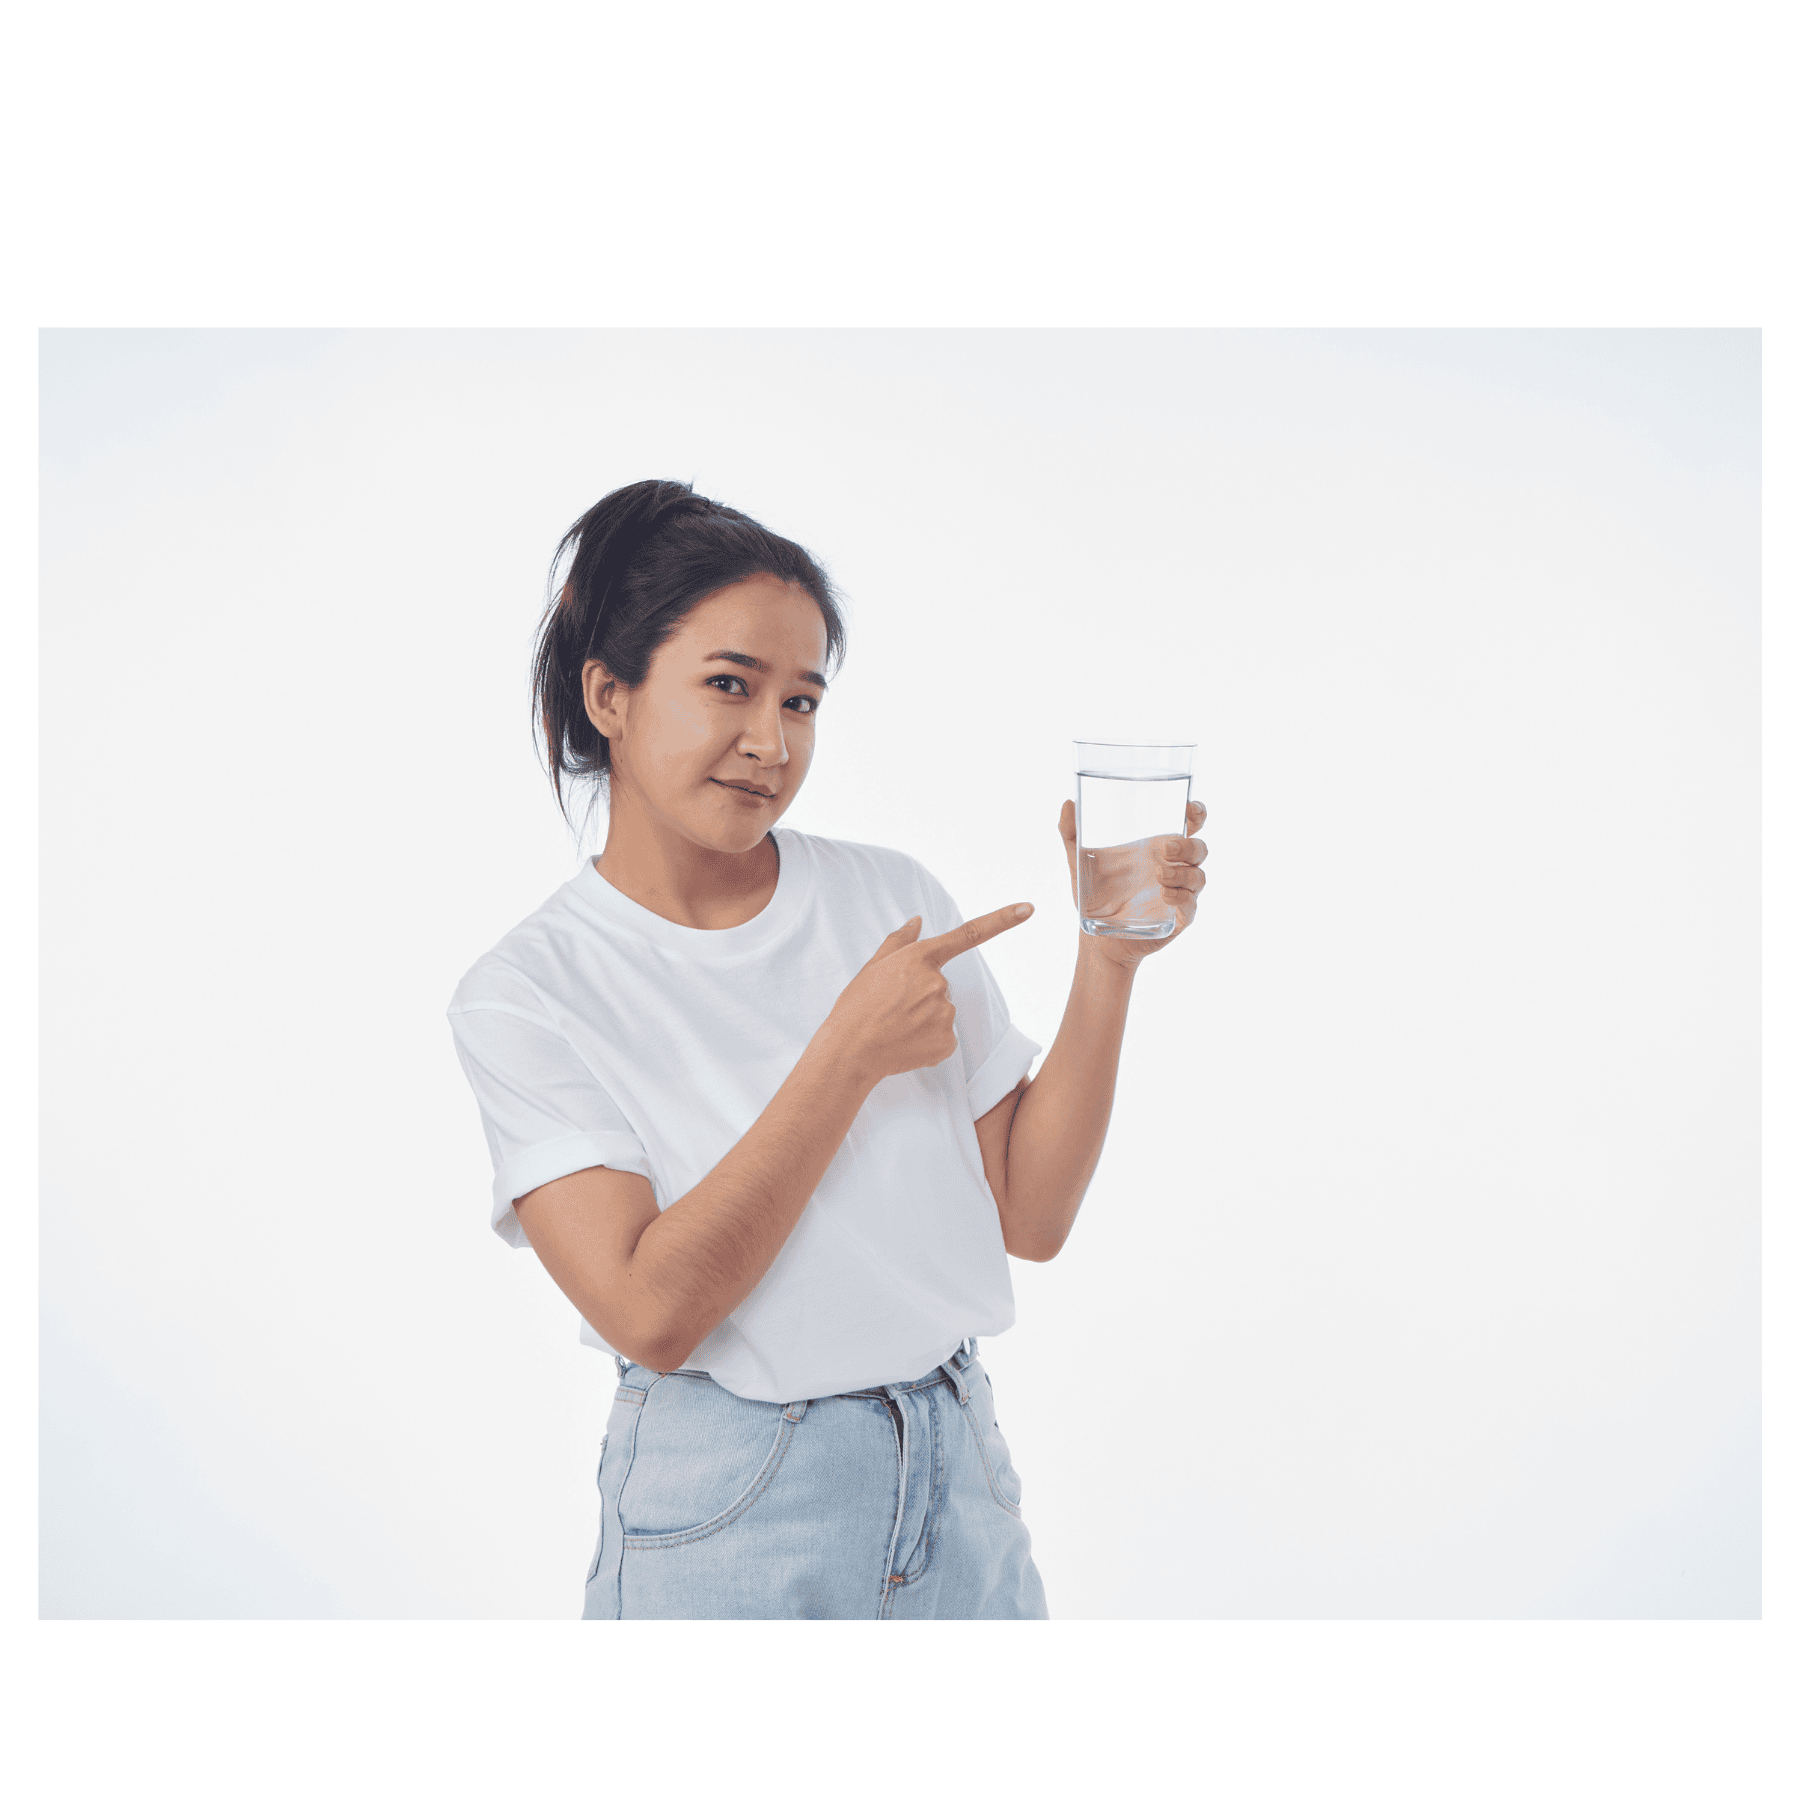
(896, 1014)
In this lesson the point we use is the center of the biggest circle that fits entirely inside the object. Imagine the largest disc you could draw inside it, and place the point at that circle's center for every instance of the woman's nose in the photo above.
(764, 739)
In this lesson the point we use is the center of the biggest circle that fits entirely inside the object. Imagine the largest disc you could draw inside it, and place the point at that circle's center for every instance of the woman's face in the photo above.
(716, 740)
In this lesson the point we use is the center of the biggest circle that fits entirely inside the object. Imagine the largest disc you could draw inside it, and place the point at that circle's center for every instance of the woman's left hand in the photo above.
(1182, 878)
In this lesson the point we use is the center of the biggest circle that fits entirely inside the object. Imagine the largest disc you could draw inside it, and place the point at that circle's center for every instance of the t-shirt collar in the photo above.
(753, 937)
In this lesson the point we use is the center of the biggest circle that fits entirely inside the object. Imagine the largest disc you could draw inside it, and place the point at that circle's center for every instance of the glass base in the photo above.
(1108, 928)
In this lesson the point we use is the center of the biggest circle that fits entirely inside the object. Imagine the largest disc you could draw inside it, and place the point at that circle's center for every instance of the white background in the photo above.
(1420, 1275)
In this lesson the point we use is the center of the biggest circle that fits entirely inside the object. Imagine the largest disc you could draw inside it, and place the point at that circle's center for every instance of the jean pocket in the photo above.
(1002, 1478)
(702, 1458)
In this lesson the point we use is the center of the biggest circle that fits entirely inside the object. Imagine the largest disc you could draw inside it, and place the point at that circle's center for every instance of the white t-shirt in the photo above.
(597, 1032)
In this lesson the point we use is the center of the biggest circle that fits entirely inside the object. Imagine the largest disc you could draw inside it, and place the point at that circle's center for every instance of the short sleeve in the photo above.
(542, 1110)
(997, 1055)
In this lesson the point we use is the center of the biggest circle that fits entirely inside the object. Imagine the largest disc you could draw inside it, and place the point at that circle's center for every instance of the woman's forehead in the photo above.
(782, 616)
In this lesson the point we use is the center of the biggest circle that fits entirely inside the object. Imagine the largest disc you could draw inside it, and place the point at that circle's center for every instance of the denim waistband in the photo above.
(949, 1370)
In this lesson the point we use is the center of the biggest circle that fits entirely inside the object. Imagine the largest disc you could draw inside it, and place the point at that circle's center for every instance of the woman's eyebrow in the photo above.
(761, 667)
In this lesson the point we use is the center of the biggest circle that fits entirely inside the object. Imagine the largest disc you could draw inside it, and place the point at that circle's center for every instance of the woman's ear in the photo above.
(603, 698)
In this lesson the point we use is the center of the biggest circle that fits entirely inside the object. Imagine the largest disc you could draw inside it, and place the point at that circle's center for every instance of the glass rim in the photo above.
(1133, 744)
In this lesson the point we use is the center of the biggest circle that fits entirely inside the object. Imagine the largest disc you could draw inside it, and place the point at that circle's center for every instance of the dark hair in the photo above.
(644, 558)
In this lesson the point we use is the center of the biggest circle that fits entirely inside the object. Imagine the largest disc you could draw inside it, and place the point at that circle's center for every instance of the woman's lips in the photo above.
(749, 793)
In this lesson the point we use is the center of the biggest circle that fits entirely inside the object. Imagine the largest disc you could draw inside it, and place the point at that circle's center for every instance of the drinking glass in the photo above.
(1126, 797)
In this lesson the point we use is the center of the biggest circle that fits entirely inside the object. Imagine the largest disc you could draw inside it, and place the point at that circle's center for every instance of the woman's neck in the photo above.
(684, 882)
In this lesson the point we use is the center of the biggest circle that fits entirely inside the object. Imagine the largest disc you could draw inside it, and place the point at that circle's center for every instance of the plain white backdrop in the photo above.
(1420, 1275)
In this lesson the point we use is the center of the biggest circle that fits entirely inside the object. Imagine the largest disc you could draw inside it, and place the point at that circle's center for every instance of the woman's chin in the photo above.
(734, 837)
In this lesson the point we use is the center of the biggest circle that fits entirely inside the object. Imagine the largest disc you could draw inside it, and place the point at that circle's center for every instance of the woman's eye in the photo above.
(734, 685)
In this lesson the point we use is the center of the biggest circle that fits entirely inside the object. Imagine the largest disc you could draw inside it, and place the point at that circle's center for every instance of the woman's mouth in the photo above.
(750, 793)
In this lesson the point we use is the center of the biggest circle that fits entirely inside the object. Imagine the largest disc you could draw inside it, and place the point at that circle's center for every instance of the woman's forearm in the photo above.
(1060, 1123)
(691, 1265)
(701, 1257)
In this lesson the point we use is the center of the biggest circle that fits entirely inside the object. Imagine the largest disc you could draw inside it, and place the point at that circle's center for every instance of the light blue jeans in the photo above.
(895, 1502)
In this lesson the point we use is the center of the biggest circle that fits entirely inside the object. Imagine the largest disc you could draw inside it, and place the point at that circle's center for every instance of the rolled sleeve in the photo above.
(995, 1051)
(538, 1163)
(1009, 1063)
(543, 1112)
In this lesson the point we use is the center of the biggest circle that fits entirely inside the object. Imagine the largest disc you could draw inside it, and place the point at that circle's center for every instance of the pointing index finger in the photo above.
(972, 933)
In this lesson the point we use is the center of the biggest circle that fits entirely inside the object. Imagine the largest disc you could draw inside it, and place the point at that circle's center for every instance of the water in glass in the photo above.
(1117, 819)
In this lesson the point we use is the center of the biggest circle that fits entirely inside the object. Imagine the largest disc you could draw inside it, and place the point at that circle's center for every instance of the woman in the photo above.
(756, 1103)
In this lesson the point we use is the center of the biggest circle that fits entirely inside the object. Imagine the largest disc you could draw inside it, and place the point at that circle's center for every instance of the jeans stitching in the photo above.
(889, 1585)
(933, 1503)
(600, 1538)
(993, 1485)
(629, 1396)
(618, 1584)
(673, 1540)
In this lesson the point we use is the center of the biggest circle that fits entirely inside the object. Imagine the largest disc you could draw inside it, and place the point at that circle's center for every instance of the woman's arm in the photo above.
(1041, 1144)
(654, 1285)
(1047, 1133)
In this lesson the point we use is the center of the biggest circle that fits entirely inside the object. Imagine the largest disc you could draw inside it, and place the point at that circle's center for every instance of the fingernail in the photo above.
(1021, 912)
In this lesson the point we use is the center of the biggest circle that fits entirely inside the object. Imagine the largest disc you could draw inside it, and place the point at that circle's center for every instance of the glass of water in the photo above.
(1126, 797)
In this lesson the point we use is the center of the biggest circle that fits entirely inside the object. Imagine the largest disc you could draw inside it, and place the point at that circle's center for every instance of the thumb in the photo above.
(899, 938)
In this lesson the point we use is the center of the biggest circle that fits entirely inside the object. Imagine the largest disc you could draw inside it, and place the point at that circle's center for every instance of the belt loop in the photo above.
(795, 1411)
(953, 1368)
